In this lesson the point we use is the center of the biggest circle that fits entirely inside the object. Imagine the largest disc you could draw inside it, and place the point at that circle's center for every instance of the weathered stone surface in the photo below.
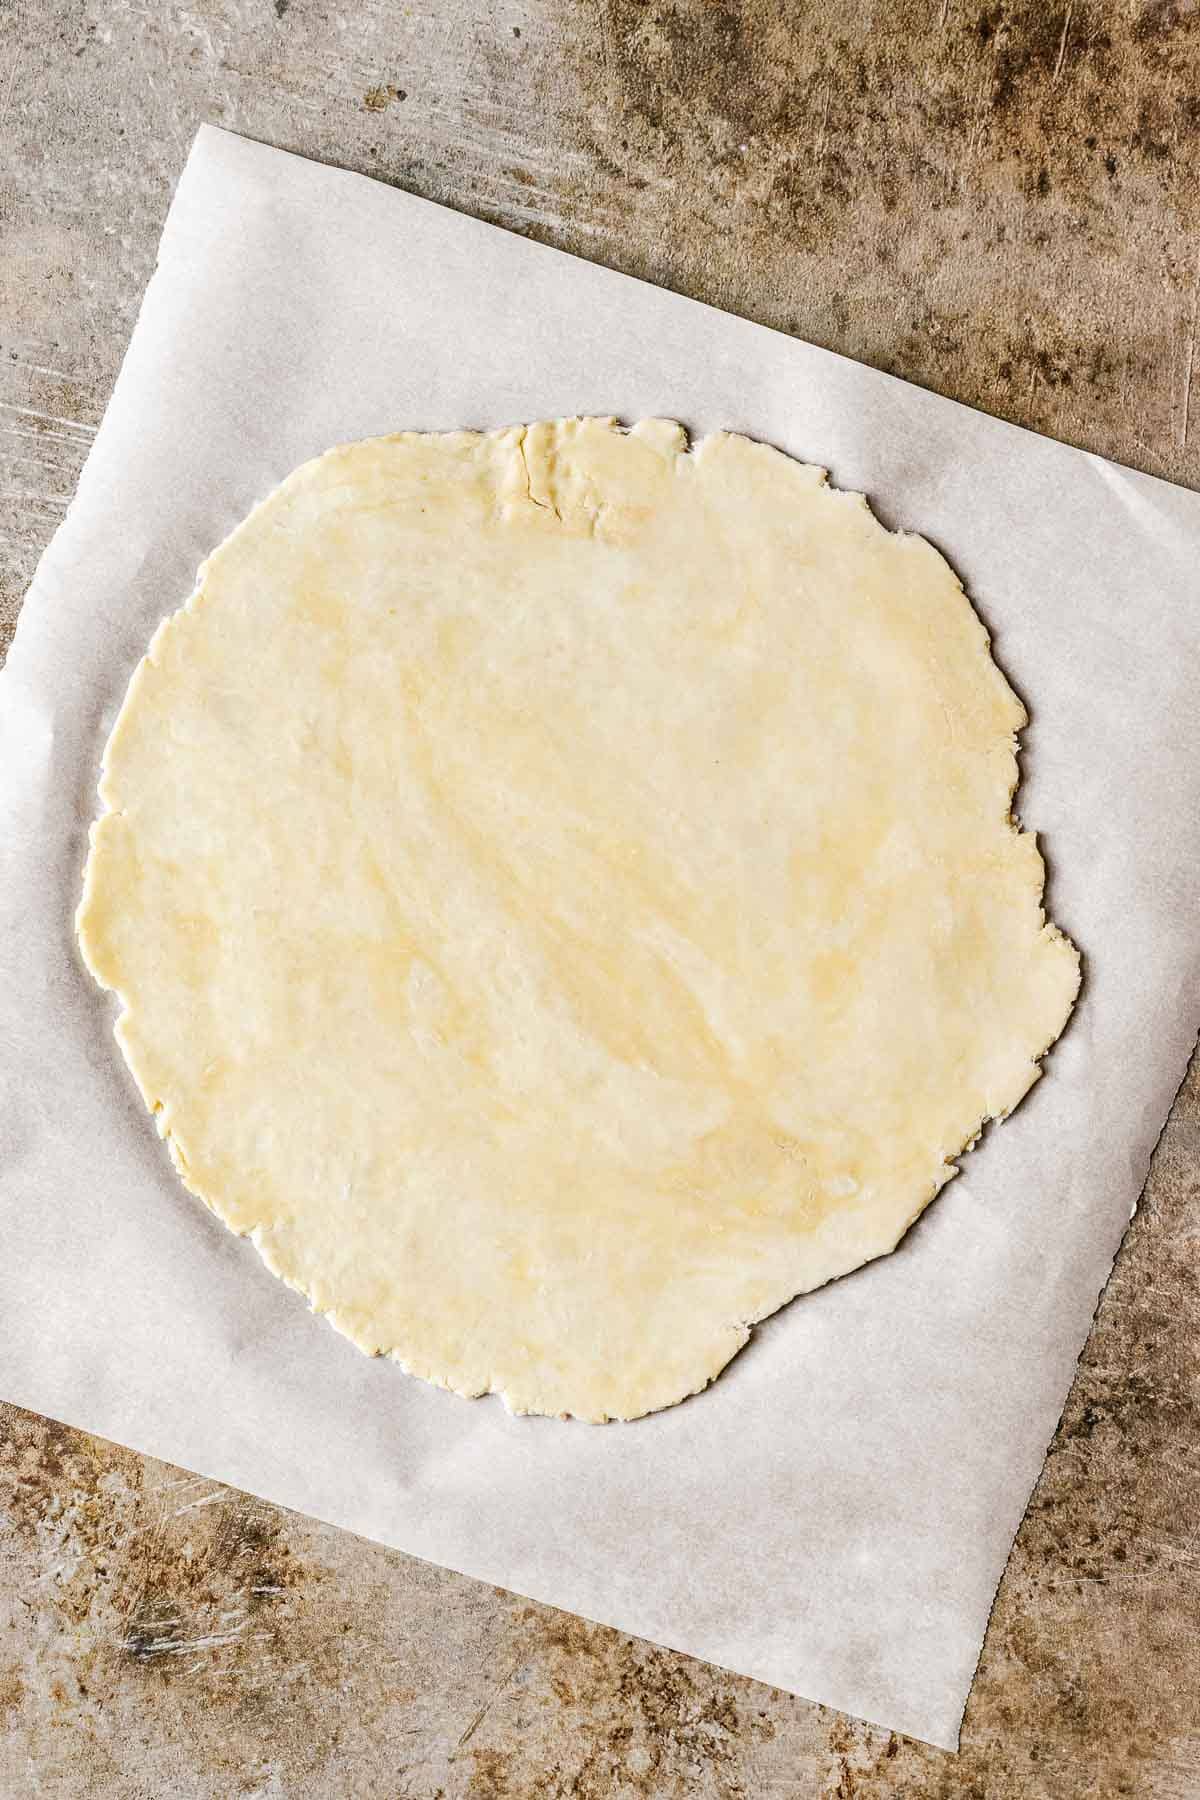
(1000, 201)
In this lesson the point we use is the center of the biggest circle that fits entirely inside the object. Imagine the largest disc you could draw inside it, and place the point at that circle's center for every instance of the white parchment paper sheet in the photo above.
(834, 1514)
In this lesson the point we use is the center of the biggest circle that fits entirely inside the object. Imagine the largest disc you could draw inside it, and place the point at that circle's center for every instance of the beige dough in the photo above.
(563, 899)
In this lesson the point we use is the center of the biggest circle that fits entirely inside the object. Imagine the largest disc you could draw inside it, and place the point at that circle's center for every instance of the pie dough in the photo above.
(563, 898)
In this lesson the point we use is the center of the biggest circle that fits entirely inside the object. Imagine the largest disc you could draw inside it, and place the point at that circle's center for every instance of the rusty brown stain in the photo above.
(982, 207)
(634, 1719)
(378, 99)
(12, 1691)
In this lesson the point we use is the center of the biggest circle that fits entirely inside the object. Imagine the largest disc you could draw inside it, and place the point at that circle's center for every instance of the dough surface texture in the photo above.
(562, 895)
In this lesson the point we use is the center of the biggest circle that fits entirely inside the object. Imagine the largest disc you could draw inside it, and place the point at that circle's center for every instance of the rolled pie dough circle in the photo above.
(563, 899)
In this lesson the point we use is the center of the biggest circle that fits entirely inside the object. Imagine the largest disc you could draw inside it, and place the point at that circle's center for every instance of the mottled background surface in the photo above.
(1000, 201)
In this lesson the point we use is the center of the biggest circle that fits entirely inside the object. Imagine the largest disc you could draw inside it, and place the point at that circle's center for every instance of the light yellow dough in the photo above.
(563, 899)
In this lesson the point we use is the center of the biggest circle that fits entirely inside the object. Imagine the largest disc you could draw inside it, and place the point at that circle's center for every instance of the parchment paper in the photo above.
(834, 1514)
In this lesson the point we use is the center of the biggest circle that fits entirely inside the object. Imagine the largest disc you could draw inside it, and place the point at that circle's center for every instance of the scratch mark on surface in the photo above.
(823, 132)
(21, 459)
(42, 437)
(31, 412)
(146, 1648)
(978, 126)
(172, 118)
(154, 1535)
(484, 1710)
(1191, 357)
(945, 14)
(17, 362)
(12, 82)
(1062, 42)
(610, 85)
(204, 1500)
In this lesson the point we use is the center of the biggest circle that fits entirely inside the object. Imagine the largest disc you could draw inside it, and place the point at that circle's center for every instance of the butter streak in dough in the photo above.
(563, 898)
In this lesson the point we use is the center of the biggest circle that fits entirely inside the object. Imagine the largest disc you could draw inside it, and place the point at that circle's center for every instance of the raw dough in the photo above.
(563, 898)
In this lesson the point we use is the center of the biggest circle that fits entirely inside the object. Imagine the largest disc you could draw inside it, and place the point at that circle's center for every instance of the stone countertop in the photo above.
(1000, 201)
